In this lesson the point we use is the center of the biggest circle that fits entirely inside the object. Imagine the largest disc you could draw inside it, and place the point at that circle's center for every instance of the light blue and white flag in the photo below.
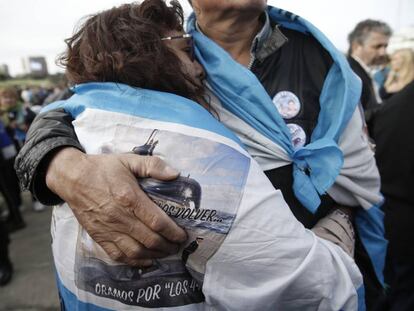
(338, 159)
(246, 250)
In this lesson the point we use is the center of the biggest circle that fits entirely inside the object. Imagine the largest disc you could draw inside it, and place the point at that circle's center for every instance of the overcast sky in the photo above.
(38, 27)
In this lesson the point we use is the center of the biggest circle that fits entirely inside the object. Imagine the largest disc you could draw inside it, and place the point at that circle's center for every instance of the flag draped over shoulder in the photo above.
(331, 163)
(239, 227)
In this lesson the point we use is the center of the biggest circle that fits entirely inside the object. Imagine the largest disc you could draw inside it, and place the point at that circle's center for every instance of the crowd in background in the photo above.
(387, 97)
(387, 101)
(18, 108)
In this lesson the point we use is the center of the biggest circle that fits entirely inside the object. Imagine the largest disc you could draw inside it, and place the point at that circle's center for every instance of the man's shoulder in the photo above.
(304, 41)
(296, 35)
(355, 65)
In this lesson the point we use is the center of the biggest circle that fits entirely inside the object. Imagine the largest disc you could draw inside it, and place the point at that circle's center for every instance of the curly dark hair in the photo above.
(124, 45)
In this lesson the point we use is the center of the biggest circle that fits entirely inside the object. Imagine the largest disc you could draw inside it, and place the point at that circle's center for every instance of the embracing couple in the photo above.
(282, 209)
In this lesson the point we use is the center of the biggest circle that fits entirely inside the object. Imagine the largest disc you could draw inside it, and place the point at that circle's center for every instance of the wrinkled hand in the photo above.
(103, 193)
(337, 227)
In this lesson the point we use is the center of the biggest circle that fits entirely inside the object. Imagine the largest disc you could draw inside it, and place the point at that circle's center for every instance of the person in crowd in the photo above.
(6, 268)
(295, 63)
(60, 92)
(16, 119)
(392, 131)
(368, 42)
(13, 114)
(9, 184)
(157, 84)
(26, 94)
(401, 72)
(10, 190)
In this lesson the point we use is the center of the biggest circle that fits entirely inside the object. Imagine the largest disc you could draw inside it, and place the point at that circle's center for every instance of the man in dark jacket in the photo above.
(393, 130)
(367, 45)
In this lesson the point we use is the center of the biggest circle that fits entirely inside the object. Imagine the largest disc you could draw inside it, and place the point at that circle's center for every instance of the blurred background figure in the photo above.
(401, 72)
(60, 92)
(392, 129)
(368, 42)
(26, 95)
(393, 132)
(19, 106)
(9, 185)
(6, 268)
(16, 118)
(10, 190)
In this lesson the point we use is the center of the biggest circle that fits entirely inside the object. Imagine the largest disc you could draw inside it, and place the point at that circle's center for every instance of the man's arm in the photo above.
(48, 133)
(101, 190)
(337, 227)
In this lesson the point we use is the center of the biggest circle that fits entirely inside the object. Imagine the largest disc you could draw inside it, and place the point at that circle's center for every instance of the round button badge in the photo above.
(297, 134)
(287, 104)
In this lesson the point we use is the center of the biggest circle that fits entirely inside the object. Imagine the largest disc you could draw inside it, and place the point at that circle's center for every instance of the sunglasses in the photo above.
(189, 40)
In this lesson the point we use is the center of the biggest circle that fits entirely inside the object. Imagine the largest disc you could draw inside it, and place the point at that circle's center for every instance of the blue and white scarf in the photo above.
(316, 165)
(319, 166)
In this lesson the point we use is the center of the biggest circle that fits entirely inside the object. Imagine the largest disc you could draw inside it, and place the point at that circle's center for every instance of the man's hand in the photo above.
(337, 227)
(103, 192)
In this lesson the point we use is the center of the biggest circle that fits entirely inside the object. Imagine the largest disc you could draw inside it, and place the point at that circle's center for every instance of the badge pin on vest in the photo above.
(287, 104)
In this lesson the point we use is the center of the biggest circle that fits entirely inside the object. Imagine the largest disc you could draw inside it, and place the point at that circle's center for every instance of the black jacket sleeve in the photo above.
(49, 132)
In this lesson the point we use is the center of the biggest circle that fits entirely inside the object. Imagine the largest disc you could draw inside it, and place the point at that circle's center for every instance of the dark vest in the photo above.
(300, 67)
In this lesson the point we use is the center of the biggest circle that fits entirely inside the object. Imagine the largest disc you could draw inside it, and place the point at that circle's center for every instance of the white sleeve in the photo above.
(269, 261)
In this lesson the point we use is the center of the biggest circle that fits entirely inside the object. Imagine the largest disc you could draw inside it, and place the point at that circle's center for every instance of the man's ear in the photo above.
(355, 46)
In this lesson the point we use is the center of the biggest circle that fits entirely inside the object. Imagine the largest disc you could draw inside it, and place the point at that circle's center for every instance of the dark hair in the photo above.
(364, 28)
(124, 45)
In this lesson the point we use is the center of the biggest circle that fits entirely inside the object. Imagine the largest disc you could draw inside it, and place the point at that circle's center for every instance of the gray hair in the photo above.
(364, 28)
